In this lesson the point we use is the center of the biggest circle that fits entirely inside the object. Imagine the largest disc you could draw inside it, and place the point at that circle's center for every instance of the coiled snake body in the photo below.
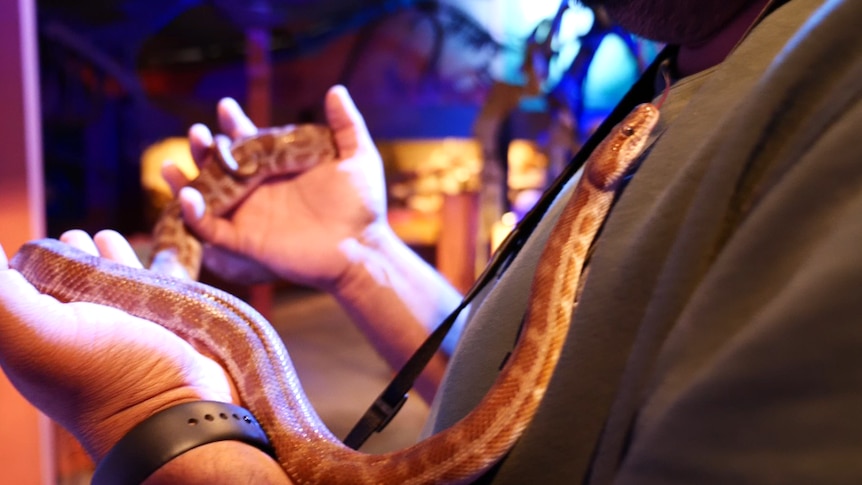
(224, 327)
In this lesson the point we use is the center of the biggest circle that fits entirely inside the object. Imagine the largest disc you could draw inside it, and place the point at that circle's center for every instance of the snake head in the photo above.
(616, 154)
(223, 148)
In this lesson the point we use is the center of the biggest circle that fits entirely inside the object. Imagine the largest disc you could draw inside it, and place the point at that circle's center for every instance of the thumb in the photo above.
(16, 296)
(348, 126)
(27, 318)
(204, 223)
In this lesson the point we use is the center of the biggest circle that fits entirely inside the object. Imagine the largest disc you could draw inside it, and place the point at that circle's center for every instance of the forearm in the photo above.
(396, 298)
(222, 462)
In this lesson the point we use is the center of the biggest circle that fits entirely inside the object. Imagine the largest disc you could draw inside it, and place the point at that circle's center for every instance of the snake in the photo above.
(240, 339)
(229, 173)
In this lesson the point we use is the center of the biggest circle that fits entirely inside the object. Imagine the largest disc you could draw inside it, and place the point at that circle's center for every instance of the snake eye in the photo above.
(628, 130)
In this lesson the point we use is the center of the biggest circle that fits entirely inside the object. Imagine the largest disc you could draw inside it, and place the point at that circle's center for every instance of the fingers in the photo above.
(208, 227)
(81, 240)
(115, 247)
(192, 204)
(346, 122)
(233, 120)
(175, 177)
(4, 261)
(200, 140)
(107, 244)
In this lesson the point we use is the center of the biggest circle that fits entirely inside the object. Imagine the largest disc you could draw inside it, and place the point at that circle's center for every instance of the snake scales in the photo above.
(223, 326)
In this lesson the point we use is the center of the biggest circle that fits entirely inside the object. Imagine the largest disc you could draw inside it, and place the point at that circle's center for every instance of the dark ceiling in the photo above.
(157, 33)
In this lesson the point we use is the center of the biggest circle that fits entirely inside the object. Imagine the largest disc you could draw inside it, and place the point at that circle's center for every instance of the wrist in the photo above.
(172, 433)
(394, 297)
(99, 435)
(222, 462)
(108, 423)
(370, 260)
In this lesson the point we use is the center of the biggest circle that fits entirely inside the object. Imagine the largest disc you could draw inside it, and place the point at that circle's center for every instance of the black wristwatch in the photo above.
(170, 433)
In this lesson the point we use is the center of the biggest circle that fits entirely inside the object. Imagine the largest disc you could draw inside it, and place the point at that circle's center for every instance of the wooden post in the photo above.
(26, 447)
(259, 75)
(456, 248)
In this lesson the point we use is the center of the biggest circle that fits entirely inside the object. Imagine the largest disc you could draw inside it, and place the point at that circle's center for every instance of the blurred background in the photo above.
(475, 106)
(119, 77)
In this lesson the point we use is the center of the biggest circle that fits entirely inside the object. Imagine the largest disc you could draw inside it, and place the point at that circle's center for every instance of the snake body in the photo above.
(224, 327)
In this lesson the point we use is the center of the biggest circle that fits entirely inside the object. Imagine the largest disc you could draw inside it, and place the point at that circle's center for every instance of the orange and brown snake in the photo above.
(230, 173)
(223, 326)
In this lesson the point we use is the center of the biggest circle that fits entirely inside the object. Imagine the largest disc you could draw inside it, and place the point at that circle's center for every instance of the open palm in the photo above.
(94, 369)
(305, 227)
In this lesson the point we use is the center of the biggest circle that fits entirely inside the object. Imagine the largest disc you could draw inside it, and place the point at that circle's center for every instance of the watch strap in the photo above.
(170, 433)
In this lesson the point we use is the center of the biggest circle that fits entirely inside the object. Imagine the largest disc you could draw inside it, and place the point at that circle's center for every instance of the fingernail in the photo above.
(193, 197)
(230, 104)
(202, 133)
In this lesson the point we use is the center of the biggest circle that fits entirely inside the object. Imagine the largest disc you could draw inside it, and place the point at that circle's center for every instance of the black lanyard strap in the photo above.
(390, 401)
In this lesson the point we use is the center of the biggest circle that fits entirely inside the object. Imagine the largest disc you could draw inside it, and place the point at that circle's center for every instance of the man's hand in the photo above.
(304, 228)
(326, 228)
(96, 370)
